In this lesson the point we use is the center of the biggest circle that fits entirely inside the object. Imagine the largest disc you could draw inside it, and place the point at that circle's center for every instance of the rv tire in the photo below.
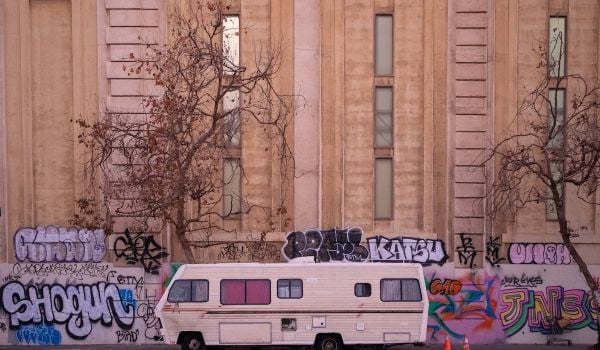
(192, 341)
(329, 342)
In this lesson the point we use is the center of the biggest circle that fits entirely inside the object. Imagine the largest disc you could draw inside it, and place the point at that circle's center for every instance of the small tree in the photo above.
(172, 162)
(553, 145)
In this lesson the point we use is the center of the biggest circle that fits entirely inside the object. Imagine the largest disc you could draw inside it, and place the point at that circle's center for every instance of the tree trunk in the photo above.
(180, 231)
(583, 268)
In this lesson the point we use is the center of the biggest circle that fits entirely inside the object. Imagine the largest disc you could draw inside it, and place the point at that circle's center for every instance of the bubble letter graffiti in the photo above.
(539, 253)
(326, 245)
(76, 305)
(59, 244)
(406, 249)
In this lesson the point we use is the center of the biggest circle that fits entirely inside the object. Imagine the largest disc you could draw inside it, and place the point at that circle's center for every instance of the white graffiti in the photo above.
(406, 249)
(59, 244)
(76, 305)
(539, 253)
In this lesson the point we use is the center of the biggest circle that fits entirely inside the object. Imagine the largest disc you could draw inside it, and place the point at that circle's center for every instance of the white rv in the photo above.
(327, 305)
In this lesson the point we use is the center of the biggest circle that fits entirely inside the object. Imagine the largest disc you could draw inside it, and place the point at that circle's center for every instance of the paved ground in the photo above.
(407, 347)
(506, 347)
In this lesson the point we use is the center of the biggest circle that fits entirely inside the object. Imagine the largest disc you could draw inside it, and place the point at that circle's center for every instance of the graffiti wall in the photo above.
(516, 297)
(62, 289)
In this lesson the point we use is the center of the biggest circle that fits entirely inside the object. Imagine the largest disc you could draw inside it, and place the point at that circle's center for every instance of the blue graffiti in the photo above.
(38, 334)
(127, 298)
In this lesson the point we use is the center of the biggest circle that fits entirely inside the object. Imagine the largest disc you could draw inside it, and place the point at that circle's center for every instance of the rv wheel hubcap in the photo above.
(329, 344)
(195, 344)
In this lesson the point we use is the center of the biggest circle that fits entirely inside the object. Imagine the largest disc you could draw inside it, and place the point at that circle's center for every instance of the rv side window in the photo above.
(180, 291)
(289, 289)
(362, 289)
(200, 290)
(400, 290)
(188, 290)
(245, 292)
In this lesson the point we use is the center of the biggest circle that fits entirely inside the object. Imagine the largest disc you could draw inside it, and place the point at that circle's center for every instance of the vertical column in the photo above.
(307, 83)
(124, 30)
(3, 221)
(471, 112)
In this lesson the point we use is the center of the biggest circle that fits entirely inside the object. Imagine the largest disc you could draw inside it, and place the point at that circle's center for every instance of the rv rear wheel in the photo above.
(329, 342)
(192, 341)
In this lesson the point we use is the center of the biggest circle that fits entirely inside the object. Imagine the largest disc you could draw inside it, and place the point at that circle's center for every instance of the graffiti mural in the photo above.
(140, 248)
(537, 309)
(59, 244)
(326, 245)
(407, 249)
(463, 303)
(539, 253)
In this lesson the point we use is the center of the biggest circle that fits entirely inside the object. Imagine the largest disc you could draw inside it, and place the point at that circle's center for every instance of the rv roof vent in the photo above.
(303, 260)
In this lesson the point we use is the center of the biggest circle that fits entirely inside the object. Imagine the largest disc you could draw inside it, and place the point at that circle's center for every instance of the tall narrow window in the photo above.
(556, 170)
(231, 109)
(383, 188)
(384, 44)
(231, 188)
(557, 43)
(383, 116)
(231, 43)
(556, 117)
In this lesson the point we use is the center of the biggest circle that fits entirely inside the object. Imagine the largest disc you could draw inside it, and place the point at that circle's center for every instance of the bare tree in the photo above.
(179, 162)
(552, 146)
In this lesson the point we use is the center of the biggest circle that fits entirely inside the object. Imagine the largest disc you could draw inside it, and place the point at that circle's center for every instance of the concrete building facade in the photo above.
(400, 101)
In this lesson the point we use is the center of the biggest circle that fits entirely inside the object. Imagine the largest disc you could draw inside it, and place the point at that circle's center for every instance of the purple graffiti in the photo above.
(59, 244)
(407, 249)
(537, 309)
(539, 253)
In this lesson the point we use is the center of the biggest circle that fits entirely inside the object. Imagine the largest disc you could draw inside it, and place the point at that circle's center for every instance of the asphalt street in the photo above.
(405, 347)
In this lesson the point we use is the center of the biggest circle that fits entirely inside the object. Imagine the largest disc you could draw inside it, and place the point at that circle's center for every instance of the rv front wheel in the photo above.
(329, 342)
(192, 341)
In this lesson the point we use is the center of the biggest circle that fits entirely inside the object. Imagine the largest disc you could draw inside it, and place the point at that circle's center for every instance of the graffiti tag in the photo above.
(539, 253)
(326, 245)
(140, 248)
(492, 251)
(447, 287)
(523, 281)
(38, 334)
(466, 251)
(59, 244)
(407, 249)
(72, 271)
(127, 335)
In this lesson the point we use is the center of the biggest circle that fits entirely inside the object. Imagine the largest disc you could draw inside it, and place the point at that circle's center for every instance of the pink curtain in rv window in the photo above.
(258, 292)
(232, 292)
